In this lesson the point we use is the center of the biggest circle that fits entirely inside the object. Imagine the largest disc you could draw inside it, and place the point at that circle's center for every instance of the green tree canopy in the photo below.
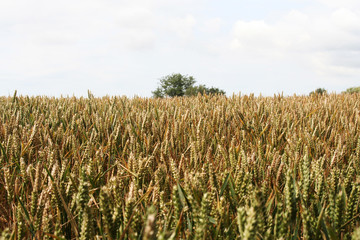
(353, 90)
(202, 89)
(319, 91)
(177, 85)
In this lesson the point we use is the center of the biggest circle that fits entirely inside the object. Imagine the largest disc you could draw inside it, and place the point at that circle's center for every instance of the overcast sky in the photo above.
(118, 47)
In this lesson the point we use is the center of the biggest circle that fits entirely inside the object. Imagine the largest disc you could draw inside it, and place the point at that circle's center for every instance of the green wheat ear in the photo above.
(36, 189)
(6, 234)
(356, 234)
(20, 222)
(250, 224)
(202, 227)
(176, 202)
(82, 197)
(150, 225)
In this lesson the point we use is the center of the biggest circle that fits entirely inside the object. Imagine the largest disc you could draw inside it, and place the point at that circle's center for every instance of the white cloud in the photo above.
(183, 26)
(138, 18)
(340, 3)
(212, 25)
(61, 47)
(133, 39)
(132, 43)
(344, 63)
(331, 42)
(85, 41)
(346, 20)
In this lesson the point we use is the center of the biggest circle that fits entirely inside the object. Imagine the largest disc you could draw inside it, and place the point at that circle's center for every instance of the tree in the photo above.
(202, 89)
(319, 91)
(177, 85)
(353, 90)
(214, 90)
(174, 85)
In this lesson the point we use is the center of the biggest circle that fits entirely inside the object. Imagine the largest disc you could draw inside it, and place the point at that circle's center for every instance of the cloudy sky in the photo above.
(123, 47)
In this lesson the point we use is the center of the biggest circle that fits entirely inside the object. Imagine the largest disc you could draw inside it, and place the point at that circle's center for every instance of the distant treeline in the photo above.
(322, 91)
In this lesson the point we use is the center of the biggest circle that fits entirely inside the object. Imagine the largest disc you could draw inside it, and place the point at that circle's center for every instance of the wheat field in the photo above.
(205, 167)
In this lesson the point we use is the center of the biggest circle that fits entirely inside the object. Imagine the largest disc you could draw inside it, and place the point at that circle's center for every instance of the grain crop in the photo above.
(205, 167)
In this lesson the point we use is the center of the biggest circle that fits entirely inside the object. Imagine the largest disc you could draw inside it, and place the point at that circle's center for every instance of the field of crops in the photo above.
(183, 168)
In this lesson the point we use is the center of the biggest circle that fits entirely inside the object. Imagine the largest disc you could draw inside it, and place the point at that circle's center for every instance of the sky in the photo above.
(123, 47)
